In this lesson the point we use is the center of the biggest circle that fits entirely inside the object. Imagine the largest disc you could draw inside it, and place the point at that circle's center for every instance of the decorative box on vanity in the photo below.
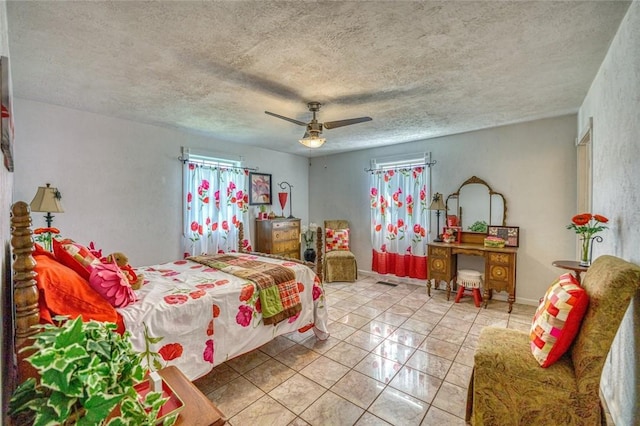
(278, 236)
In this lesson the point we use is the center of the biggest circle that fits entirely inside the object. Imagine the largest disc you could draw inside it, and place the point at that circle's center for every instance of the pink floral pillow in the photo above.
(108, 280)
(336, 239)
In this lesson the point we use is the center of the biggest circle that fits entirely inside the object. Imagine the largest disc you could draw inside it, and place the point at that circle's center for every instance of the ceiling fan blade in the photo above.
(347, 122)
(299, 123)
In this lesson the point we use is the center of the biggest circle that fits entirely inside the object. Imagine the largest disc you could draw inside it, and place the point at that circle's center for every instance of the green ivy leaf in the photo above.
(45, 416)
(61, 404)
(98, 408)
(71, 333)
(42, 358)
(22, 396)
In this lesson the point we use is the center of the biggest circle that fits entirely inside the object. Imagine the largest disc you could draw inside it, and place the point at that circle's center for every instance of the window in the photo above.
(399, 202)
(215, 201)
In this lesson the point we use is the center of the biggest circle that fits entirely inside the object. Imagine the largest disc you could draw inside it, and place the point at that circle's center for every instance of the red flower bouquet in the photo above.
(587, 225)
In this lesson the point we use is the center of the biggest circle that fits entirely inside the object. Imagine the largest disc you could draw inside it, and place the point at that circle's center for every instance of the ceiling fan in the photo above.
(312, 137)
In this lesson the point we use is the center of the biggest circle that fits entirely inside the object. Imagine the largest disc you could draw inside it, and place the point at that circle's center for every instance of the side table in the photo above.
(198, 409)
(570, 265)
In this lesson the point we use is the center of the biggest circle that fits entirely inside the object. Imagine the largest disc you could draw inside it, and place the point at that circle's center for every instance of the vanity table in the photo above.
(480, 205)
(499, 266)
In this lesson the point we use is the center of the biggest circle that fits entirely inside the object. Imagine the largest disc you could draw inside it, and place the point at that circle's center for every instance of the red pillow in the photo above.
(75, 256)
(63, 292)
(557, 320)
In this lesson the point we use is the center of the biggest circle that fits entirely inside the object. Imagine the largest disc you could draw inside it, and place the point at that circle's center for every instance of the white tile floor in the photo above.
(395, 356)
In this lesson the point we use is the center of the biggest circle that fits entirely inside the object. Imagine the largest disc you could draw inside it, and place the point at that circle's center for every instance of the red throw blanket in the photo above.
(277, 286)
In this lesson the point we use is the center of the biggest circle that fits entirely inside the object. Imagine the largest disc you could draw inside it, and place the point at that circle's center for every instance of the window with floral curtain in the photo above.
(399, 221)
(215, 202)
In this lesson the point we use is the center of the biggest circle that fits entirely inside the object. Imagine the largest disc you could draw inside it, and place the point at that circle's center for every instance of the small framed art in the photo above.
(510, 234)
(6, 122)
(259, 189)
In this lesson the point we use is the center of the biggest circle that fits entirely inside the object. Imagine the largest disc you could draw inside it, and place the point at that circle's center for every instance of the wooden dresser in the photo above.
(499, 266)
(278, 236)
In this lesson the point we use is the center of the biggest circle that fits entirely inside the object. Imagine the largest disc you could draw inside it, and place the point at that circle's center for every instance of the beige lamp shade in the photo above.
(436, 202)
(47, 199)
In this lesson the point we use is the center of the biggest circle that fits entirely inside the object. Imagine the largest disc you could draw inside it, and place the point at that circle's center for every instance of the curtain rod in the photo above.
(409, 166)
(184, 160)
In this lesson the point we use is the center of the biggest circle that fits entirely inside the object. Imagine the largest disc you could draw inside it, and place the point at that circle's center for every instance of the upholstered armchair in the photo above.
(508, 386)
(339, 261)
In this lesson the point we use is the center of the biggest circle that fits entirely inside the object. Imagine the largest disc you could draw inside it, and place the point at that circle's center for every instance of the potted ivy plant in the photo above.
(87, 372)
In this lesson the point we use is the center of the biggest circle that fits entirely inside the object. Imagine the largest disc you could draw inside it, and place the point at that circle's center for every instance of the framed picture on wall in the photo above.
(259, 189)
(6, 126)
(510, 234)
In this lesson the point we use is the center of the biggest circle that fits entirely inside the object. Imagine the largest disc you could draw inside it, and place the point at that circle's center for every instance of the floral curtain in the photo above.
(216, 201)
(399, 221)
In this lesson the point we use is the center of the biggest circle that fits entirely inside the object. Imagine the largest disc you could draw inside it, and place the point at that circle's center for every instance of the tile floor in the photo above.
(395, 356)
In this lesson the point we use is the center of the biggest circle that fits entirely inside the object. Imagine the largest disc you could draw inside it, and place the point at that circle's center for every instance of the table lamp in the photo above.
(47, 200)
(437, 205)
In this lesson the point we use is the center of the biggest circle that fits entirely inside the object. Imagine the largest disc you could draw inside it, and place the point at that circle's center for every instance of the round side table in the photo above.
(570, 265)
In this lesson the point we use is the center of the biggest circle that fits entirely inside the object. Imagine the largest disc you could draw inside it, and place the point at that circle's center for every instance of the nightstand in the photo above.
(198, 409)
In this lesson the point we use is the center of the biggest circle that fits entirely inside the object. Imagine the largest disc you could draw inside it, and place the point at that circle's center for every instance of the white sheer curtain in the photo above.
(399, 221)
(215, 202)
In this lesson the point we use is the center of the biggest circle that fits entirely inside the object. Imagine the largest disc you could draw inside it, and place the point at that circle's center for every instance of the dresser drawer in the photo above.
(500, 273)
(500, 258)
(285, 234)
(282, 246)
(285, 225)
(439, 252)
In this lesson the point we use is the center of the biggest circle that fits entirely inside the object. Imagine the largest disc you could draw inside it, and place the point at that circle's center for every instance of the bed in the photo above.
(193, 313)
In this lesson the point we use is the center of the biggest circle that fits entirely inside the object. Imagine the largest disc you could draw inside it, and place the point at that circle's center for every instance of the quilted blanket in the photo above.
(277, 286)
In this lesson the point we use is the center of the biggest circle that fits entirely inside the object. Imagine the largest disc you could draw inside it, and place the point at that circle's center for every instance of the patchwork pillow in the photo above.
(336, 239)
(64, 292)
(557, 319)
(75, 256)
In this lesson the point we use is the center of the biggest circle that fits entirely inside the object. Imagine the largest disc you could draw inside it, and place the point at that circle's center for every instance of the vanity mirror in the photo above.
(475, 204)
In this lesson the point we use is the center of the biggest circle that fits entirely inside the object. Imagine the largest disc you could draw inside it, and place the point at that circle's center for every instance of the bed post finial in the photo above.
(25, 292)
(240, 237)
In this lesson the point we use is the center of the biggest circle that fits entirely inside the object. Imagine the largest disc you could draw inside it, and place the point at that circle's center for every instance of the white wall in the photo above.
(121, 181)
(533, 164)
(614, 103)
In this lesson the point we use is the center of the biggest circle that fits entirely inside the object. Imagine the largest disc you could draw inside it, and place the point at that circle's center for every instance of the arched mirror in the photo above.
(477, 206)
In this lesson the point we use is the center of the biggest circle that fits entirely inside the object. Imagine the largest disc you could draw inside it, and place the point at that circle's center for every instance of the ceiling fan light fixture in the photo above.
(312, 141)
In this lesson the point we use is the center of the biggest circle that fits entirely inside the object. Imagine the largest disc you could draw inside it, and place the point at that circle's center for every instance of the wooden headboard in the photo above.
(25, 291)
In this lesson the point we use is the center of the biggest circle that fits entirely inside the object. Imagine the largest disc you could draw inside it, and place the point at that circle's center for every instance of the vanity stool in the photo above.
(468, 279)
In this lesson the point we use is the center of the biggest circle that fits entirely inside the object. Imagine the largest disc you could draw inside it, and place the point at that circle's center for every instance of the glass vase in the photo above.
(585, 259)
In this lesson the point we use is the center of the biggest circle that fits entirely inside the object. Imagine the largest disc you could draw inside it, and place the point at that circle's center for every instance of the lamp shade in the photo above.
(436, 202)
(47, 199)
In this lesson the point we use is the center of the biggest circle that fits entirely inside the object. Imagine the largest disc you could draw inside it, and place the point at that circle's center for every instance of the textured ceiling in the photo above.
(420, 69)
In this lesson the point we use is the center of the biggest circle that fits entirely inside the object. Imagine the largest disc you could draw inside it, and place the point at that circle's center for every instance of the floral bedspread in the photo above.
(196, 317)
